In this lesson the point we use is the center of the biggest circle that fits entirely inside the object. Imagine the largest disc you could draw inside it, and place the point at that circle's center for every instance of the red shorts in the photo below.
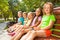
(48, 33)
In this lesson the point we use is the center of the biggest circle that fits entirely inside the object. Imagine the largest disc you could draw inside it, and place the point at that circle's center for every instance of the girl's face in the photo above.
(47, 9)
(38, 12)
(19, 14)
(30, 16)
(24, 15)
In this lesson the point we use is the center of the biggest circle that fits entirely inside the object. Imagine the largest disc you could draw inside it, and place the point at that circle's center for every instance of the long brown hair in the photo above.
(39, 15)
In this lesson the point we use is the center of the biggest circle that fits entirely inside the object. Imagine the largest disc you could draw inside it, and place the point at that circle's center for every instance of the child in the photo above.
(30, 18)
(43, 30)
(25, 17)
(20, 19)
(37, 19)
(20, 22)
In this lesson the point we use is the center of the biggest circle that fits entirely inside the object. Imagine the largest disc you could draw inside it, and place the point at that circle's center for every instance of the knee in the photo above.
(30, 32)
(34, 32)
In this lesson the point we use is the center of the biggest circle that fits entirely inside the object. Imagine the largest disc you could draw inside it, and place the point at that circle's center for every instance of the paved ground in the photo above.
(3, 33)
(3, 25)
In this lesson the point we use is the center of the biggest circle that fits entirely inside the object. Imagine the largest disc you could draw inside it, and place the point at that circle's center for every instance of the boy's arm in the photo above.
(19, 23)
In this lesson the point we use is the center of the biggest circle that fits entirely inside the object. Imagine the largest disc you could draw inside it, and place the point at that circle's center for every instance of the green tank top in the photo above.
(46, 20)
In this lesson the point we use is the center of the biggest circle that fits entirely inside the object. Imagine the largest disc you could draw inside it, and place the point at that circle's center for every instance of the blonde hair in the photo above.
(25, 13)
(51, 6)
(20, 12)
(30, 13)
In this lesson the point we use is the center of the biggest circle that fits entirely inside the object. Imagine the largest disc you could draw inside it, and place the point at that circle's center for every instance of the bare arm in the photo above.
(37, 24)
(19, 23)
(38, 28)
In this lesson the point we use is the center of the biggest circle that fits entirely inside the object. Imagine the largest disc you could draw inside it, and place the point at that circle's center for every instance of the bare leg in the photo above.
(32, 35)
(15, 26)
(12, 28)
(25, 36)
(39, 33)
(19, 28)
(20, 34)
(19, 31)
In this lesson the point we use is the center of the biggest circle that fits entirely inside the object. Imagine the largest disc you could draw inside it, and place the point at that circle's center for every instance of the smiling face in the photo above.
(38, 11)
(19, 14)
(48, 7)
(30, 15)
(25, 15)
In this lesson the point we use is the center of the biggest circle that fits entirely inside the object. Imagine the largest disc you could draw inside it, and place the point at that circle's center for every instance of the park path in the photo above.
(3, 33)
(3, 25)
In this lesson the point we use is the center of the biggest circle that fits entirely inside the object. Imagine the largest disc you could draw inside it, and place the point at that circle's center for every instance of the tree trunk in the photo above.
(4, 18)
(16, 19)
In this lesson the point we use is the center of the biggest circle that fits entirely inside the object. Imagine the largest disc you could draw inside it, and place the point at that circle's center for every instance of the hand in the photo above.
(36, 28)
(31, 26)
(22, 30)
(25, 26)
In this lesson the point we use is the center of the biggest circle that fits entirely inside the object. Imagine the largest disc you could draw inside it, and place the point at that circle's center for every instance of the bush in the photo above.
(1, 21)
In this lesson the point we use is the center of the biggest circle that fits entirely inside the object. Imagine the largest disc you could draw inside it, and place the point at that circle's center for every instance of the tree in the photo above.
(31, 5)
(4, 8)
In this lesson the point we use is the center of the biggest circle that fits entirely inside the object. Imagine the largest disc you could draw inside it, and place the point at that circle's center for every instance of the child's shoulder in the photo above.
(52, 15)
(21, 18)
(44, 15)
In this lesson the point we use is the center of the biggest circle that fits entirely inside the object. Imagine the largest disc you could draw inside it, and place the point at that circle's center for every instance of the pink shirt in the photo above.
(39, 19)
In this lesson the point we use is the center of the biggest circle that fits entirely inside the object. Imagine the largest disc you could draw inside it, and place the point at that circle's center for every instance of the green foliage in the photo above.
(1, 21)
(9, 8)
(31, 5)
(4, 9)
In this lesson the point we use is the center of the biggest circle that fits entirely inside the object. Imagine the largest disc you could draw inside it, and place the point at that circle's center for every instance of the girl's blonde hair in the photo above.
(25, 13)
(51, 6)
(20, 12)
(30, 13)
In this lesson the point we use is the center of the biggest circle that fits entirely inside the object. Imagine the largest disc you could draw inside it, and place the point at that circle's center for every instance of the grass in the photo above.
(1, 21)
(6, 28)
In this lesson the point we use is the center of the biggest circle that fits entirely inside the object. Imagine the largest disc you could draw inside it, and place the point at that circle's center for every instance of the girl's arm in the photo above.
(50, 25)
(38, 27)
(37, 24)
